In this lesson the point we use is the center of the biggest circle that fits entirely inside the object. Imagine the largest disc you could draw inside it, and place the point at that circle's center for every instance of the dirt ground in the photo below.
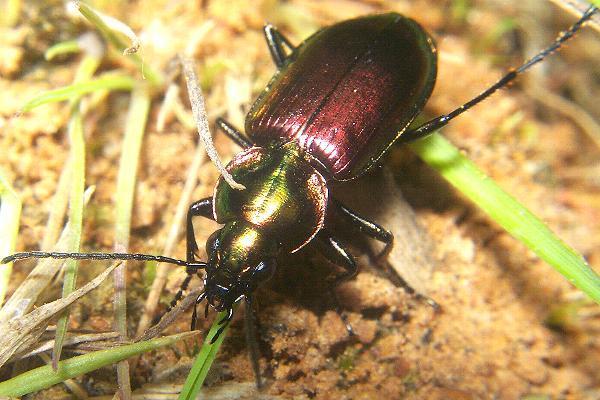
(509, 326)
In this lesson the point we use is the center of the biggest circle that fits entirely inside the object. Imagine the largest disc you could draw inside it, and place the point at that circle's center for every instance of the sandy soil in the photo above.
(490, 339)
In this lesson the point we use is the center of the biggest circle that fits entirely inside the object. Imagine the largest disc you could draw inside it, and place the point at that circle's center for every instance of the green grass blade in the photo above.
(77, 160)
(109, 81)
(85, 71)
(44, 377)
(10, 213)
(135, 126)
(440, 154)
(203, 362)
(66, 47)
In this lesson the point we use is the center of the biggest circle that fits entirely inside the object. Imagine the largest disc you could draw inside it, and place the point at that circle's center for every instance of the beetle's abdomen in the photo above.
(285, 196)
(348, 91)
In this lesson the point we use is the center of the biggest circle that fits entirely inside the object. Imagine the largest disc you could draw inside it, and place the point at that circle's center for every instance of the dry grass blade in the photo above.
(38, 279)
(178, 222)
(222, 391)
(568, 108)
(10, 212)
(110, 24)
(171, 316)
(21, 333)
(71, 340)
(110, 27)
(199, 111)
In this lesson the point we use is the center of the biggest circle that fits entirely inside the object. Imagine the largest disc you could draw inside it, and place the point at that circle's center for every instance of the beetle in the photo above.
(335, 106)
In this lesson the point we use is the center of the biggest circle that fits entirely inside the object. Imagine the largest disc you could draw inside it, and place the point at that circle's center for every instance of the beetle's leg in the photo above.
(276, 42)
(199, 300)
(251, 340)
(201, 208)
(438, 122)
(235, 135)
(365, 226)
(338, 255)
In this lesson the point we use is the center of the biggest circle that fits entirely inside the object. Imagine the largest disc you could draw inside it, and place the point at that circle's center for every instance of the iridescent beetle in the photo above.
(336, 104)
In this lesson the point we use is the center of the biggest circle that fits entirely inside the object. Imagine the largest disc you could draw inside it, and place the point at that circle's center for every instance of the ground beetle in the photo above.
(336, 104)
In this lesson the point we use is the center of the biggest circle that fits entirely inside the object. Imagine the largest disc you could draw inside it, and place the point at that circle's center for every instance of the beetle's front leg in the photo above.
(201, 208)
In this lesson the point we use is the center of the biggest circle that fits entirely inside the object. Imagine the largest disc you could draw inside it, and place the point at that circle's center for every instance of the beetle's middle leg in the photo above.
(335, 252)
(365, 226)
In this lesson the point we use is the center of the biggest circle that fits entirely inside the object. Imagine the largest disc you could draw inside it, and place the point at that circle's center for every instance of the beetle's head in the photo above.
(241, 258)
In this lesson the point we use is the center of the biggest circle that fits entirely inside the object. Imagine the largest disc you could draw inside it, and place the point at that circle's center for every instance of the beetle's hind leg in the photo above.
(377, 232)
(238, 137)
(335, 252)
(365, 226)
(276, 42)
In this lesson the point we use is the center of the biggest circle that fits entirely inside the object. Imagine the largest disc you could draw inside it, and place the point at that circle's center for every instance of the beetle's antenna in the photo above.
(438, 122)
(94, 256)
